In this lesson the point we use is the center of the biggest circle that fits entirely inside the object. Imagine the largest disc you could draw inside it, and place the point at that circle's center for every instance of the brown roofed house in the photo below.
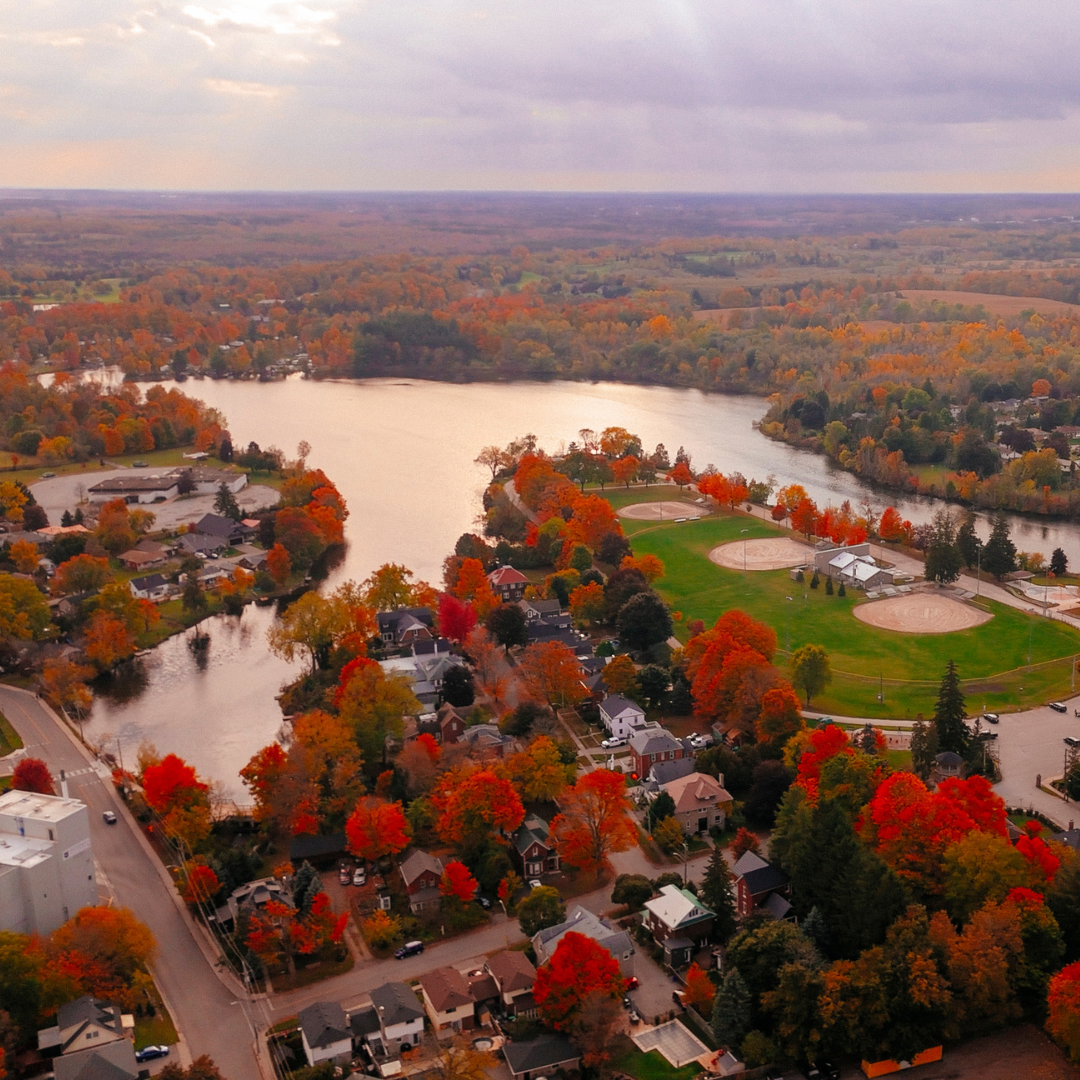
(448, 1001)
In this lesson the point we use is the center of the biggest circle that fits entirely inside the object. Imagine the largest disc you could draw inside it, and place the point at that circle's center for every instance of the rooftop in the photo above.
(28, 804)
(677, 907)
(396, 1003)
(446, 988)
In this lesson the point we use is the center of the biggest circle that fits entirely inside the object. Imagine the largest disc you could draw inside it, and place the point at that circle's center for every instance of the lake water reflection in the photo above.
(401, 452)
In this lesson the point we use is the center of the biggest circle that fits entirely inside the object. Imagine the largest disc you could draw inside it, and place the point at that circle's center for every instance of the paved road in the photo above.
(206, 1013)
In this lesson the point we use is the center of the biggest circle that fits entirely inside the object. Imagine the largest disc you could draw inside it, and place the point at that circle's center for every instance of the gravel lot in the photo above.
(63, 493)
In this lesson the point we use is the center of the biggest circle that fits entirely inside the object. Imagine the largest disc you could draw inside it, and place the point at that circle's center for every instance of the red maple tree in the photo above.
(457, 882)
(377, 828)
(457, 618)
(593, 823)
(171, 782)
(579, 967)
(32, 774)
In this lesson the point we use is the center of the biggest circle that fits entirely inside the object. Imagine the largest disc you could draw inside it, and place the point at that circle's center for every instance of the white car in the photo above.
(610, 744)
(700, 742)
(536, 883)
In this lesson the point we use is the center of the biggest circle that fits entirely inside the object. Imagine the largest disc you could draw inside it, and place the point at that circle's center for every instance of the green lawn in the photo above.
(653, 1066)
(992, 658)
(157, 1030)
(9, 737)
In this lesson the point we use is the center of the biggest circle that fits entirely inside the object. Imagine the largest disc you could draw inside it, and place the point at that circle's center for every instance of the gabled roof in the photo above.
(150, 581)
(324, 1024)
(218, 525)
(87, 1009)
(396, 1004)
(582, 921)
(533, 830)
(545, 1052)
(512, 970)
(364, 1022)
(676, 907)
(417, 863)
(388, 620)
(114, 1061)
(615, 705)
(446, 988)
(653, 739)
(760, 876)
(776, 906)
(695, 790)
(506, 575)
(663, 772)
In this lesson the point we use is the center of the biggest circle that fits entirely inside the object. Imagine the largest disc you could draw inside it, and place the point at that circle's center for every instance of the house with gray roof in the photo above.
(421, 873)
(755, 882)
(325, 1033)
(394, 1020)
(533, 1058)
(620, 715)
(601, 930)
(91, 1041)
(533, 848)
(679, 922)
(651, 744)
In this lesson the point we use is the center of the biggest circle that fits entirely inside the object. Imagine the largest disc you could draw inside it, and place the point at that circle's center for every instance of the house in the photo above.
(485, 994)
(514, 975)
(447, 725)
(447, 1001)
(946, 764)
(652, 743)
(135, 489)
(539, 609)
(202, 544)
(542, 1056)
(534, 851)
(138, 559)
(209, 481)
(603, 932)
(91, 1039)
(679, 922)
(620, 715)
(393, 1022)
(421, 874)
(425, 673)
(325, 1033)
(663, 772)
(235, 532)
(252, 898)
(318, 850)
(405, 625)
(154, 587)
(46, 862)
(508, 584)
(486, 740)
(756, 882)
(852, 566)
(700, 801)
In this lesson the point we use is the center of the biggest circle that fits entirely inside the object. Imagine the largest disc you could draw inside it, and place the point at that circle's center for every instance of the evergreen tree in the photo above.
(952, 732)
(731, 1009)
(828, 586)
(225, 504)
(943, 558)
(999, 555)
(815, 929)
(968, 542)
(310, 893)
(663, 806)
(301, 882)
(1059, 563)
(717, 895)
(841, 591)
(924, 747)
(815, 580)
(66, 520)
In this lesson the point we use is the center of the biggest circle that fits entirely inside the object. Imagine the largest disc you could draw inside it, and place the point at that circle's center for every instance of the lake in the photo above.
(401, 452)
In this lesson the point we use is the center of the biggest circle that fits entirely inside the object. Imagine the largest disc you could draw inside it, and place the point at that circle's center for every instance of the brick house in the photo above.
(679, 923)
(651, 744)
(421, 873)
(759, 884)
(508, 583)
(534, 851)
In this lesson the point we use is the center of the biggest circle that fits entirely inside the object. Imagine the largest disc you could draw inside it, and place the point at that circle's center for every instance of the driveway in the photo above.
(68, 492)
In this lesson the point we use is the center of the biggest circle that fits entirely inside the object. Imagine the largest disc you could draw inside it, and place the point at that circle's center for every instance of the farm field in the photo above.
(993, 658)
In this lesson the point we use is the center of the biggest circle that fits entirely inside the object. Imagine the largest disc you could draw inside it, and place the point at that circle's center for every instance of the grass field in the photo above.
(993, 659)
(652, 1066)
(9, 737)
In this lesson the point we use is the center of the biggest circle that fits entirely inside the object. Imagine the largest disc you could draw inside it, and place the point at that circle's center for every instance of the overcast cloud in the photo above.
(690, 95)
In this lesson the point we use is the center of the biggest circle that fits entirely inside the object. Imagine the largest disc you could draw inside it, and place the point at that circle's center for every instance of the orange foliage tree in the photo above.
(472, 803)
(82, 573)
(593, 823)
(278, 564)
(699, 990)
(108, 641)
(579, 968)
(377, 828)
(551, 673)
(1063, 1000)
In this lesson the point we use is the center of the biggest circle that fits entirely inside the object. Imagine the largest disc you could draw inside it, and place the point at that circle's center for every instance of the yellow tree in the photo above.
(551, 673)
(538, 772)
(620, 676)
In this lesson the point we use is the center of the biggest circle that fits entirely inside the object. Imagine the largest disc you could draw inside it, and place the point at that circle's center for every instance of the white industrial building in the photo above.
(46, 864)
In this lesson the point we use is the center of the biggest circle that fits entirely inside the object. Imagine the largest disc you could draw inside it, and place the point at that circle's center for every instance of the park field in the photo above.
(1012, 661)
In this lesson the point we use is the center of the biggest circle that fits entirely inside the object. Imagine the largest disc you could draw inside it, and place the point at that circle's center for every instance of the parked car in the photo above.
(140, 465)
(821, 1070)
(536, 883)
(627, 1003)
(988, 734)
(109, 817)
(610, 744)
(700, 741)
(410, 948)
(149, 1053)
(635, 1016)
(359, 876)
(1072, 740)
(991, 717)
(1057, 706)
(483, 901)
(632, 983)
(344, 875)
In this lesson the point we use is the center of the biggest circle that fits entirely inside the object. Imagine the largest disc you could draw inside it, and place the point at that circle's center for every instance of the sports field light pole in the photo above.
(744, 532)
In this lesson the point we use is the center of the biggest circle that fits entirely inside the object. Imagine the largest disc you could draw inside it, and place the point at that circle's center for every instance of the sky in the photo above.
(590, 95)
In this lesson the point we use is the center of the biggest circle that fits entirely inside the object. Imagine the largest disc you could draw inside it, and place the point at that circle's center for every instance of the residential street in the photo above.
(205, 1012)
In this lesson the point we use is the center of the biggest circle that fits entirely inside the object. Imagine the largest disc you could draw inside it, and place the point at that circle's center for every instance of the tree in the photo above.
(744, 841)
(388, 588)
(193, 598)
(643, 621)
(804, 517)
(731, 1009)
(174, 792)
(717, 894)
(225, 503)
(457, 883)
(24, 612)
(539, 772)
(108, 641)
(779, 718)
(83, 573)
(381, 929)
(459, 1062)
(943, 558)
(32, 774)
(551, 673)
(681, 475)
(967, 540)
(593, 823)
(24, 555)
(587, 604)
(631, 890)
(110, 937)
(578, 968)
(699, 990)
(980, 867)
(1063, 999)
(949, 713)
(457, 618)
(810, 670)
(507, 625)
(202, 884)
(999, 555)
(924, 747)
(472, 803)
(375, 704)
(376, 828)
(595, 1030)
(64, 683)
(540, 909)
(669, 836)
(662, 807)
(620, 676)
(1059, 562)
(202, 1068)
(114, 531)
(309, 626)
(279, 564)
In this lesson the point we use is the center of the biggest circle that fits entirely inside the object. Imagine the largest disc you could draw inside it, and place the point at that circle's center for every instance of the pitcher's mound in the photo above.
(767, 553)
(662, 511)
(921, 613)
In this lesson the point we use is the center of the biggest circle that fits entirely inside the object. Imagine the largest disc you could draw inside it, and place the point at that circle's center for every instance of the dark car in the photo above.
(483, 901)
(1057, 706)
(410, 948)
(991, 717)
(109, 817)
(148, 1053)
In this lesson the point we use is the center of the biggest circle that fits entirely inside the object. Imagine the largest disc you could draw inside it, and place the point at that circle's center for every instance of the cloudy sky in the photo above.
(686, 95)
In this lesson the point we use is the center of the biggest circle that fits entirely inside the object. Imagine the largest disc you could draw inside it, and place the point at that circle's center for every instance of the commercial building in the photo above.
(46, 865)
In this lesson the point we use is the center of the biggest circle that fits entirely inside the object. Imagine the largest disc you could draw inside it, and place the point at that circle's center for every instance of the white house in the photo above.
(395, 1020)
(154, 587)
(620, 715)
(325, 1032)
(46, 865)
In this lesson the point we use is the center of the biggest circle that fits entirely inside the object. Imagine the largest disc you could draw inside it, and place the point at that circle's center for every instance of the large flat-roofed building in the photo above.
(46, 865)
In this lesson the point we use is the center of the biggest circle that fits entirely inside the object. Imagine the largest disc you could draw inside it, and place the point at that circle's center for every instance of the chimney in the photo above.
(63, 784)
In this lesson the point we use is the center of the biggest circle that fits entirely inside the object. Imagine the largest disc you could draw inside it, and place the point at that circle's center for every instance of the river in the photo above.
(401, 452)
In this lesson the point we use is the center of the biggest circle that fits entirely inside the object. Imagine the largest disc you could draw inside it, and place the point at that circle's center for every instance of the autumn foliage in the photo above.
(593, 823)
(578, 968)
(377, 828)
(32, 774)
(456, 882)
